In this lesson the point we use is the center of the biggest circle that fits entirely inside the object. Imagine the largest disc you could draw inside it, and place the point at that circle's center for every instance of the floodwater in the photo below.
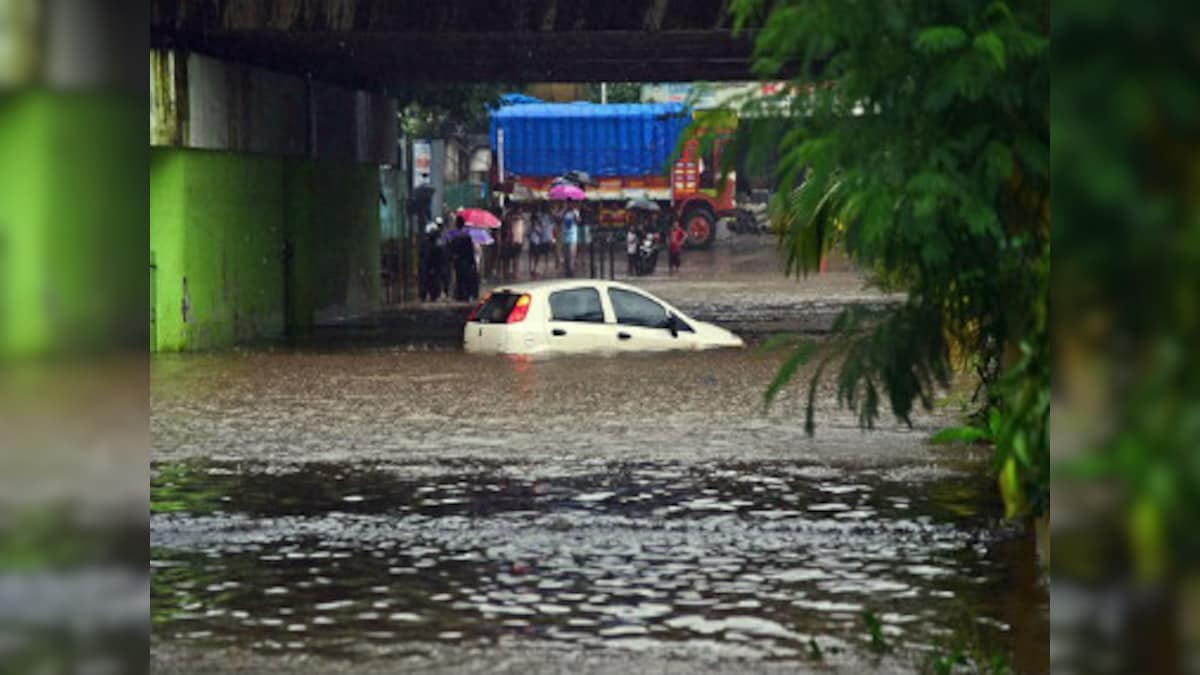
(405, 508)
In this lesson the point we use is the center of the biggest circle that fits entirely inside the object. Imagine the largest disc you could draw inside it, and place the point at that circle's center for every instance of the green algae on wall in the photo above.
(247, 246)
(72, 238)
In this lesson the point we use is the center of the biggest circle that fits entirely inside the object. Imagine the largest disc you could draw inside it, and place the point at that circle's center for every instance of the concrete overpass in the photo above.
(381, 44)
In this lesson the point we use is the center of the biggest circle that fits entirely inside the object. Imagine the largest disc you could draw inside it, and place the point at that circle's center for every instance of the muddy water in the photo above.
(459, 511)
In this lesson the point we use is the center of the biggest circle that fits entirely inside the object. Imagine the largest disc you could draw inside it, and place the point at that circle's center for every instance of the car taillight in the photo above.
(519, 310)
(484, 299)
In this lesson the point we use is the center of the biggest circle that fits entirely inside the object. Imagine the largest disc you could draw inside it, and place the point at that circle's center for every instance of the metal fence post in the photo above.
(612, 269)
(591, 256)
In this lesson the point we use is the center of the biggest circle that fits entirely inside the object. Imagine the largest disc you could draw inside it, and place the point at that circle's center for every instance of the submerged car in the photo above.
(584, 315)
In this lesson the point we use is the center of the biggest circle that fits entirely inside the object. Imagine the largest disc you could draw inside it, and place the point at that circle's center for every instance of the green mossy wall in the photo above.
(219, 222)
(72, 223)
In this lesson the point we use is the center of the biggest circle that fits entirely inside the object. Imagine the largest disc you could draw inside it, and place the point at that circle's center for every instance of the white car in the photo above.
(584, 315)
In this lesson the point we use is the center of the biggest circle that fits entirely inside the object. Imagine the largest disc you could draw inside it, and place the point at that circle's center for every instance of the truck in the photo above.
(627, 149)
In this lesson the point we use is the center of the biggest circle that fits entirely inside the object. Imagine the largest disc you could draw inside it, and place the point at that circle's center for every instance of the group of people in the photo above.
(441, 253)
(553, 233)
(641, 248)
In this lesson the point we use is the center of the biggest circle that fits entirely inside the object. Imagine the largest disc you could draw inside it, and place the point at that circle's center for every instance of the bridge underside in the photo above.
(383, 45)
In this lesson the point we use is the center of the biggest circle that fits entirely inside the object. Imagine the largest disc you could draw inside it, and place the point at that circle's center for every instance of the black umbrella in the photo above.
(643, 204)
(579, 179)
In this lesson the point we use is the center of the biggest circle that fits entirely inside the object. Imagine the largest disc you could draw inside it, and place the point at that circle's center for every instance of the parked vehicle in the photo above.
(573, 316)
(752, 214)
(624, 150)
(647, 255)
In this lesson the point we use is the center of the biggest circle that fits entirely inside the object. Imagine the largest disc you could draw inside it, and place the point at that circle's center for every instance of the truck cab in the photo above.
(698, 196)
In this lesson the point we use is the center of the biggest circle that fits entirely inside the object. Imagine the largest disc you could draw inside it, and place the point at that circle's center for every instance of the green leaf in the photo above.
(960, 435)
(940, 39)
(1034, 154)
(980, 218)
(998, 10)
(788, 369)
(990, 44)
(814, 650)
(997, 164)
(1020, 448)
(875, 629)
(933, 251)
(1009, 482)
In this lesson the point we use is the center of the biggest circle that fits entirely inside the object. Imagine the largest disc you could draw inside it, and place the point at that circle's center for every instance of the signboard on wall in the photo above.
(711, 95)
(422, 163)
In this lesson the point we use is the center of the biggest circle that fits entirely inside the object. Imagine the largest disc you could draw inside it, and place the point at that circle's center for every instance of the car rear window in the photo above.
(577, 304)
(497, 307)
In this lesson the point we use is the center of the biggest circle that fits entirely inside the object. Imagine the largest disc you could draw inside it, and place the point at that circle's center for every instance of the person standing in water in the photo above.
(675, 248)
(432, 261)
(540, 237)
(515, 245)
(557, 233)
(462, 254)
(631, 247)
(570, 236)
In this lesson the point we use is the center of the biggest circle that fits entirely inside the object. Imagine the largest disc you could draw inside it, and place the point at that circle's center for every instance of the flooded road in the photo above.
(377, 510)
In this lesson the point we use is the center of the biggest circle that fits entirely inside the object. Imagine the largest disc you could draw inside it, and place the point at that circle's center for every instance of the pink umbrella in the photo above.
(479, 218)
(566, 191)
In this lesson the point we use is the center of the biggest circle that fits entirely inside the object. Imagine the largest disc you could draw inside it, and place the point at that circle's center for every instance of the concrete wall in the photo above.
(332, 216)
(264, 201)
(201, 102)
(72, 201)
(219, 222)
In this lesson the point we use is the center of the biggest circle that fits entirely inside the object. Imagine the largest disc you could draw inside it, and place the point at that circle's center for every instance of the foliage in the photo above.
(875, 630)
(967, 650)
(1126, 322)
(434, 109)
(960, 659)
(923, 152)
(184, 488)
(37, 539)
(617, 92)
(814, 650)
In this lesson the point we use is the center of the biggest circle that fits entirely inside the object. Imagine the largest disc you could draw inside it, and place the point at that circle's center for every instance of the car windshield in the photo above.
(577, 304)
(497, 307)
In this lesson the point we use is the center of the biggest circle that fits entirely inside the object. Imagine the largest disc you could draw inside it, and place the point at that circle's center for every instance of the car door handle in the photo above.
(558, 332)
(623, 336)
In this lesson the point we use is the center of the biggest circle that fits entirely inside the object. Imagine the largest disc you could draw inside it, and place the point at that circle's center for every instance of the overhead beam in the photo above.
(385, 60)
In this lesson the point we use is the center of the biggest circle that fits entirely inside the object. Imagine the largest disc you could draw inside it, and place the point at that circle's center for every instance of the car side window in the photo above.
(635, 309)
(577, 304)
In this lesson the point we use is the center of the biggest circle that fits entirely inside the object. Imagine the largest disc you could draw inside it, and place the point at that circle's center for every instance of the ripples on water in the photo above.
(388, 501)
(750, 559)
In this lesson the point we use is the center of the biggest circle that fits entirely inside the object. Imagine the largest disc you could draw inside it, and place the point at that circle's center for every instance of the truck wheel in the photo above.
(700, 226)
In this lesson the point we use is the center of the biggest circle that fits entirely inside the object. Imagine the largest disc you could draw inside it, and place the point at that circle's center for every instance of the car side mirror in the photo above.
(673, 325)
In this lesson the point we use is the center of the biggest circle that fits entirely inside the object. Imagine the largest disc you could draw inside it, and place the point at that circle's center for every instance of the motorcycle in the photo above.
(647, 254)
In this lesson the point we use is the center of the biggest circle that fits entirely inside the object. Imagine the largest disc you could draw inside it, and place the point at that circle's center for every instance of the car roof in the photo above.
(548, 286)
(551, 285)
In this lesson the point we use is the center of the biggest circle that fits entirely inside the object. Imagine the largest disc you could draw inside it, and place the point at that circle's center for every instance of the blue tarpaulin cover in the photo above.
(515, 99)
(614, 139)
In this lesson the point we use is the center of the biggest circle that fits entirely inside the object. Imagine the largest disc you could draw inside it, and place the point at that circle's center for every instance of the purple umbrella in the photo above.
(566, 191)
(481, 237)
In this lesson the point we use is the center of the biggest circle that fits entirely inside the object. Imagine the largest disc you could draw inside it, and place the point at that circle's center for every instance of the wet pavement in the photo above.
(411, 507)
